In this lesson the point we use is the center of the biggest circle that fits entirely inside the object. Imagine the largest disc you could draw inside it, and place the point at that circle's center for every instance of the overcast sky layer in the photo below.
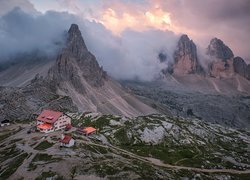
(125, 35)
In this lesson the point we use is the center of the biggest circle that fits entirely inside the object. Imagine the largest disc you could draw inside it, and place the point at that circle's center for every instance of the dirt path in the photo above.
(157, 162)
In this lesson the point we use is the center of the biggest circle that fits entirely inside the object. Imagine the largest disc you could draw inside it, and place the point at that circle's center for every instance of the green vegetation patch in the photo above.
(15, 140)
(13, 165)
(101, 122)
(96, 149)
(122, 137)
(8, 153)
(45, 175)
(46, 158)
(164, 153)
(44, 145)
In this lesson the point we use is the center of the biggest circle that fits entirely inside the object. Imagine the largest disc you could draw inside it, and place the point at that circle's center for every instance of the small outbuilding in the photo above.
(5, 123)
(89, 130)
(67, 141)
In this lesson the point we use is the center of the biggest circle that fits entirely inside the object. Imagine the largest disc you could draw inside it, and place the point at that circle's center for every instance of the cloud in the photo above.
(203, 20)
(22, 32)
(133, 54)
(8, 5)
(134, 51)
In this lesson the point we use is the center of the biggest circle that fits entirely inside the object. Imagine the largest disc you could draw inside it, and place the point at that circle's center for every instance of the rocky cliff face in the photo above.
(222, 59)
(248, 72)
(185, 58)
(75, 62)
(78, 75)
(241, 67)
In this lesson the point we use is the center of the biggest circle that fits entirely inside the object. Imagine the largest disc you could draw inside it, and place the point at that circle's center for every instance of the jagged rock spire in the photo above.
(75, 43)
(219, 50)
(75, 62)
(185, 57)
(222, 59)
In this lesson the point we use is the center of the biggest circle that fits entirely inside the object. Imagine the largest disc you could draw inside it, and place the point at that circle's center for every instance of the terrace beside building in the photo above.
(50, 121)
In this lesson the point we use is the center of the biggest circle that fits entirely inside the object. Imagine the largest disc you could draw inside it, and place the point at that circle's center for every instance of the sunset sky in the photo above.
(131, 28)
(202, 20)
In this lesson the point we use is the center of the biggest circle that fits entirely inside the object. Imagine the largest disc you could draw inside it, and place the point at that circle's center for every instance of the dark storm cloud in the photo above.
(21, 32)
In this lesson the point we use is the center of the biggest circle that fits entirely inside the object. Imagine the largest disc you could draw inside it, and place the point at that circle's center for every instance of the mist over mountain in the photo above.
(133, 54)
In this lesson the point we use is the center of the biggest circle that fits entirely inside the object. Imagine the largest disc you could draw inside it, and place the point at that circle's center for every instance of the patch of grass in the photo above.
(44, 145)
(15, 140)
(24, 121)
(121, 136)
(4, 136)
(45, 175)
(106, 169)
(167, 154)
(13, 165)
(8, 153)
(46, 158)
(86, 121)
(42, 157)
(96, 149)
(101, 122)
(9, 133)
(73, 172)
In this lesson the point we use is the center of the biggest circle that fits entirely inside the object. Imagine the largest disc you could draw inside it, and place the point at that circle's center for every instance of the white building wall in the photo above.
(71, 143)
(62, 122)
(47, 130)
(5, 124)
(59, 124)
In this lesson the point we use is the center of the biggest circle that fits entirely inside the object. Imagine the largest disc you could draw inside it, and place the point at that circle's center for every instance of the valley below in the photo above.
(232, 110)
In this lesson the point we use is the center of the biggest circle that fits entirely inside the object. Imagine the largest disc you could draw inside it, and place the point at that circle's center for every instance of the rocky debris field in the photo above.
(226, 110)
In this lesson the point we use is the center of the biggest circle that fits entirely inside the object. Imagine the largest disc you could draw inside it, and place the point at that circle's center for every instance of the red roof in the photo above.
(89, 130)
(66, 139)
(69, 126)
(49, 116)
(44, 126)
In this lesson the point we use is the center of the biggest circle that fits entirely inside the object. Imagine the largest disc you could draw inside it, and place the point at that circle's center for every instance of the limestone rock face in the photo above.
(248, 72)
(77, 74)
(222, 59)
(185, 57)
(75, 62)
(240, 66)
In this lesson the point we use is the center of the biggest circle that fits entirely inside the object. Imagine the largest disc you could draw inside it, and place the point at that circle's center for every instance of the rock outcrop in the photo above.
(248, 72)
(241, 68)
(185, 58)
(222, 59)
(78, 75)
(75, 62)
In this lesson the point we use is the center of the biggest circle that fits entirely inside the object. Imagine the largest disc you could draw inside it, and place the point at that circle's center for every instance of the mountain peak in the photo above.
(219, 50)
(74, 28)
(185, 57)
(75, 63)
(184, 38)
(222, 56)
(75, 41)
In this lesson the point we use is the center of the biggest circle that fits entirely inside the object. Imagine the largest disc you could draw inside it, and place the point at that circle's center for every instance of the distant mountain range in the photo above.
(221, 60)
